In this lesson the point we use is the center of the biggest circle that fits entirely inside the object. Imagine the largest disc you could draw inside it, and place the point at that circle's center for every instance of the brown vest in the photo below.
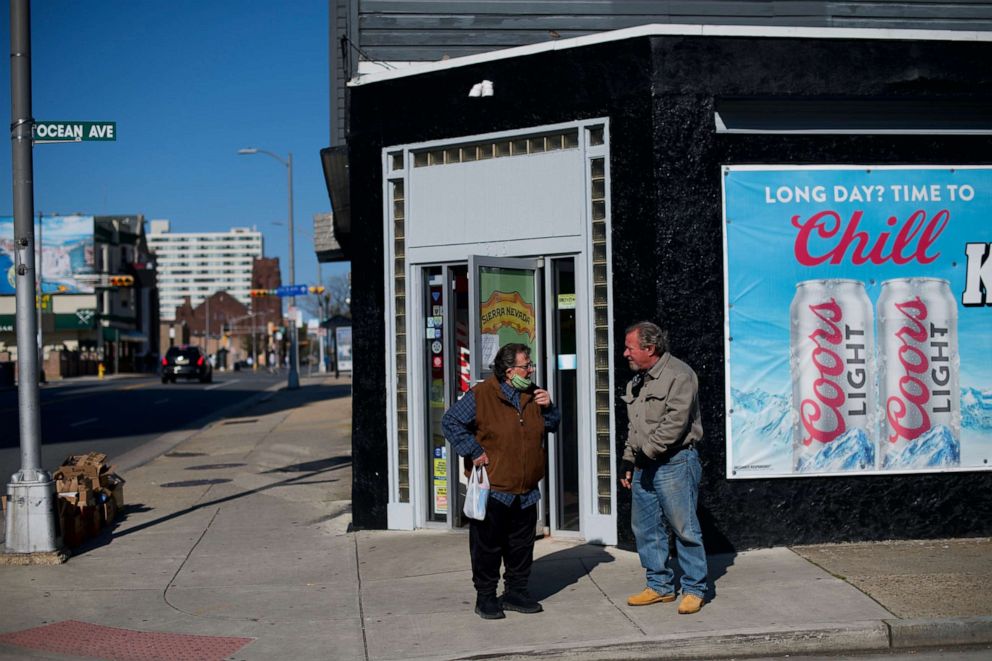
(513, 442)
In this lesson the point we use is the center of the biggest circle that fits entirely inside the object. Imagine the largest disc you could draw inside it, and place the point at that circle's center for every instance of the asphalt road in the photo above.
(117, 415)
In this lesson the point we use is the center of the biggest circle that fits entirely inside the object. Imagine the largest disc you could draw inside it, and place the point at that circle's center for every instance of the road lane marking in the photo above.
(61, 399)
(222, 384)
(161, 401)
(135, 386)
(84, 422)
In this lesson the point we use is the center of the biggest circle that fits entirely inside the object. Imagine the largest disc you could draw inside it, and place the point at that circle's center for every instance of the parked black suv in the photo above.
(188, 363)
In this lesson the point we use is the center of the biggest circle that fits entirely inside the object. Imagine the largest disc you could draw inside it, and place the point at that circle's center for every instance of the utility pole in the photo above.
(322, 313)
(206, 328)
(40, 300)
(254, 340)
(294, 344)
(293, 382)
(31, 512)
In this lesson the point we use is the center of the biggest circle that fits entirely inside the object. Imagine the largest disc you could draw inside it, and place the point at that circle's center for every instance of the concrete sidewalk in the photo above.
(235, 544)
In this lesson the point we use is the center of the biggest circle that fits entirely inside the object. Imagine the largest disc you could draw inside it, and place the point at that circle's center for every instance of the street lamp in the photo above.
(294, 365)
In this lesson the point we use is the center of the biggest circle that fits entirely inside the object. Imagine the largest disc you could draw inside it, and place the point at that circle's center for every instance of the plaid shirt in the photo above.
(458, 425)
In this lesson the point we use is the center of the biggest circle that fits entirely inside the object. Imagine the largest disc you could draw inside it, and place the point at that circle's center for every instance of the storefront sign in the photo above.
(81, 319)
(858, 314)
(507, 310)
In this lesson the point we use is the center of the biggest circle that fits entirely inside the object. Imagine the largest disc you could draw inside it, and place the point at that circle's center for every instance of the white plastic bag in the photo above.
(477, 494)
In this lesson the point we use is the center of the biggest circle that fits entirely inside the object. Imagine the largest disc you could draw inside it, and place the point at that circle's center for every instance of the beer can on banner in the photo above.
(919, 393)
(832, 359)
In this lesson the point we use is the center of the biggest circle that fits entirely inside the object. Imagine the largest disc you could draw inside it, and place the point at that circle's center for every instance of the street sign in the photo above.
(67, 131)
(291, 290)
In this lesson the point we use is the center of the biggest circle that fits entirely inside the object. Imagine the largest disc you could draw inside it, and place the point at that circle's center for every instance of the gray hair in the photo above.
(650, 334)
(506, 358)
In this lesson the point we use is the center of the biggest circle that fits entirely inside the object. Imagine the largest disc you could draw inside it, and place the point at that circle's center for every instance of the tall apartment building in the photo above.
(197, 264)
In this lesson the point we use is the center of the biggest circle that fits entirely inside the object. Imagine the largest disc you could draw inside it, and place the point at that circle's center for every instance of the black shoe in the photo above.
(487, 607)
(520, 601)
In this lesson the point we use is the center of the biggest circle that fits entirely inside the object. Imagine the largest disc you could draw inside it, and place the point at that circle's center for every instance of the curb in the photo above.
(868, 636)
(949, 631)
(828, 639)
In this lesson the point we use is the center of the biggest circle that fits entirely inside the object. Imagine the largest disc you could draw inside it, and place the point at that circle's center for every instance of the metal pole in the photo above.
(31, 514)
(39, 303)
(321, 312)
(294, 357)
(206, 328)
(254, 341)
(320, 327)
(294, 360)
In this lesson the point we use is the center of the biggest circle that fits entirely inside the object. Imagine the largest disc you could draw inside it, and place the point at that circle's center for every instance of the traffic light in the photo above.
(317, 289)
(255, 293)
(121, 281)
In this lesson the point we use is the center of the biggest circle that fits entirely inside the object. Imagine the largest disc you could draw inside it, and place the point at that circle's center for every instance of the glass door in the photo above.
(506, 306)
(505, 296)
(563, 368)
(446, 380)
(437, 398)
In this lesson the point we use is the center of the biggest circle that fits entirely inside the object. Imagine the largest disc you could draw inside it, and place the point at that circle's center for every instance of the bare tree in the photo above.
(335, 299)
(337, 289)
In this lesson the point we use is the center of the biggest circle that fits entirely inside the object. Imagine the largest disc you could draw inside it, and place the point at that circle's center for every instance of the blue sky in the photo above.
(188, 83)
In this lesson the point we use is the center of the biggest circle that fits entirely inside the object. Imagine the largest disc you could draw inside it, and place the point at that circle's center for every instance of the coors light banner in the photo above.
(859, 319)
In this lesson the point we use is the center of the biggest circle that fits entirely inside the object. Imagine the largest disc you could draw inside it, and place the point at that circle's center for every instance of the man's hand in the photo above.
(542, 397)
(625, 480)
(481, 460)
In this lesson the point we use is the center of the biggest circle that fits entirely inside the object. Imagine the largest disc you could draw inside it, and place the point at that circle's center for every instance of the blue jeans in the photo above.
(664, 499)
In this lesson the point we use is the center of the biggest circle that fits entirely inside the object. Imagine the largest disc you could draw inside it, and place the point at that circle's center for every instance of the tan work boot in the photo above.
(690, 604)
(647, 596)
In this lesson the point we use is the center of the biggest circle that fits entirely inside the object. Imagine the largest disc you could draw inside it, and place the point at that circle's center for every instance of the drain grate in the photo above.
(194, 483)
(178, 453)
(73, 638)
(240, 421)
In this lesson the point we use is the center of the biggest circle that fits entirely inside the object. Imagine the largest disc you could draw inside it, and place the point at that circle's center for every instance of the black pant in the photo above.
(506, 534)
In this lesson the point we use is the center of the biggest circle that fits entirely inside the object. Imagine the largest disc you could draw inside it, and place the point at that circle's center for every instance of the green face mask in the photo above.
(520, 382)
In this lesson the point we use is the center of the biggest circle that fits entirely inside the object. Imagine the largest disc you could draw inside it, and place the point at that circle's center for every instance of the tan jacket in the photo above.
(664, 414)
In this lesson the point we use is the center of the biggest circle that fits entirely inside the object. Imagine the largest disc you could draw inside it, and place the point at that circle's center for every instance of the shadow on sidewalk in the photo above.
(322, 466)
(556, 571)
(717, 565)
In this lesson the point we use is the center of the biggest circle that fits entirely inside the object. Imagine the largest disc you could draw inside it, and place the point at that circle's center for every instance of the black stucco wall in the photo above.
(561, 87)
(660, 94)
(690, 75)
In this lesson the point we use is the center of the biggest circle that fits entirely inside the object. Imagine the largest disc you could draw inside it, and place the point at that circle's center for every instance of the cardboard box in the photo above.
(118, 496)
(91, 523)
(73, 533)
(109, 508)
(86, 498)
(90, 465)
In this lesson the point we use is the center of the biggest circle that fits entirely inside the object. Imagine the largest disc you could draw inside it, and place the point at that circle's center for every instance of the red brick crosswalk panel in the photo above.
(74, 638)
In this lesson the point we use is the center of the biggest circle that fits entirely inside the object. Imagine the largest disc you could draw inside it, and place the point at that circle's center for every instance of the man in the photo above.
(661, 465)
(501, 424)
